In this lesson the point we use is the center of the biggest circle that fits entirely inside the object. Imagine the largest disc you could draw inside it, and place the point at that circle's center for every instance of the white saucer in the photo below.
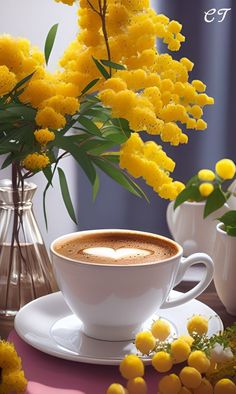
(48, 325)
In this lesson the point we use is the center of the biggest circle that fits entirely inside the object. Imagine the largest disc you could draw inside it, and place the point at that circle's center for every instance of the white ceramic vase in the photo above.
(190, 229)
(224, 257)
(232, 199)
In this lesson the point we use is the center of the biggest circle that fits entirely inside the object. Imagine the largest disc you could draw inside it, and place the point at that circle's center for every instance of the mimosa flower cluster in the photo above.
(45, 92)
(112, 88)
(12, 377)
(207, 360)
(153, 92)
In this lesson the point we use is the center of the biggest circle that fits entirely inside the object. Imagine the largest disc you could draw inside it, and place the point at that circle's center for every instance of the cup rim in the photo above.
(84, 263)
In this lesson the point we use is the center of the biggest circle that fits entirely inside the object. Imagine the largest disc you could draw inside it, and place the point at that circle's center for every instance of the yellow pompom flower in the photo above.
(35, 161)
(197, 324)
(174, 27)
(162, 361)
(12, 378)
(43, 136)
(196, 111)
(47, 117)
(115, 84)
(187, 338)
(201, 124)
(169, 384)
(206, 189)
(62, 105)
(174, 45)
(180, 350)
(9, 360)
(206, 175)
(225, 168)
(37, 91)
(145, 342)
(204, 388)
(137, 386)
(199, 85)
(190, 377)
(198, 359)
(171, 190)
(225, 386)
(13, 381)
(7, 80)
(160, 329)
(203, 99)
(187, 63)
(131, 367)
(116, 388)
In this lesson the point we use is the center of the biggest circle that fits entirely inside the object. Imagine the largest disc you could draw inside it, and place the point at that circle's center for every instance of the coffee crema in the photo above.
(119, 248)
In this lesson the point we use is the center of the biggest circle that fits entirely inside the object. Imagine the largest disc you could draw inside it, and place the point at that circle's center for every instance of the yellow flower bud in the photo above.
(206, 189)
(206, 175)
(225, 168)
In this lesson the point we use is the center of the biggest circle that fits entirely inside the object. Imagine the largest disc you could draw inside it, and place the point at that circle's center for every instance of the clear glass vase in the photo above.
(25, 268)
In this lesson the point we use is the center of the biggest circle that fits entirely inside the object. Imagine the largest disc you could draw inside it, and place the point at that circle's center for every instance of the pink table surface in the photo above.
(51, 375)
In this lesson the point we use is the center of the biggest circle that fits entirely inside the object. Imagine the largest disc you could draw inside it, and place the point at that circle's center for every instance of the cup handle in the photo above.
(170, 216)
(185, 263)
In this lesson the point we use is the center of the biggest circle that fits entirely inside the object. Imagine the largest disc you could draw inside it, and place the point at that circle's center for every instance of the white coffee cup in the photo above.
(112, 300)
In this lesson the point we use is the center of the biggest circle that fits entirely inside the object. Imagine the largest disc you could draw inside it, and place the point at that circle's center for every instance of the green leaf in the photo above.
(8, 116)
(47, 171)
(22, 82)
(214, 201)
(21, 111)
(123, 124)
(102, 69)
(89, 86)
(193, 181)
(95, 146)
(82, 159)
(50, 42)
(111, 64)
(114, 134)
(111, 157)
(66, 194)
(96, 187)
(189, 193)
(89, 126)
(118, 176)
(9, 159)
(49, 183)
(13, 157)
(91, 98)
(8, 147)
(229, 218)
(101, 148)
(230, 230)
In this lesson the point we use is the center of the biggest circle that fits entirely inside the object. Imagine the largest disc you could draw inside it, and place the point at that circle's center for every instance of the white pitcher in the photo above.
(232, 199)
(190, 229)
(224, 257)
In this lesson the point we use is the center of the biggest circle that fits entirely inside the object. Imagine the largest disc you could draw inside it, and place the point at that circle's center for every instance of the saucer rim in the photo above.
(67, 354)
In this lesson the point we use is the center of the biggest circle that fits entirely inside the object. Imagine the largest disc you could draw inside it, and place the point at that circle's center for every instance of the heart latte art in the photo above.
(116, 253)
(114, 247)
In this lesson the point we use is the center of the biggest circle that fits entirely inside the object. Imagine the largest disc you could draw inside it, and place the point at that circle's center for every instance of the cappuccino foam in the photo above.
(119, 248)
